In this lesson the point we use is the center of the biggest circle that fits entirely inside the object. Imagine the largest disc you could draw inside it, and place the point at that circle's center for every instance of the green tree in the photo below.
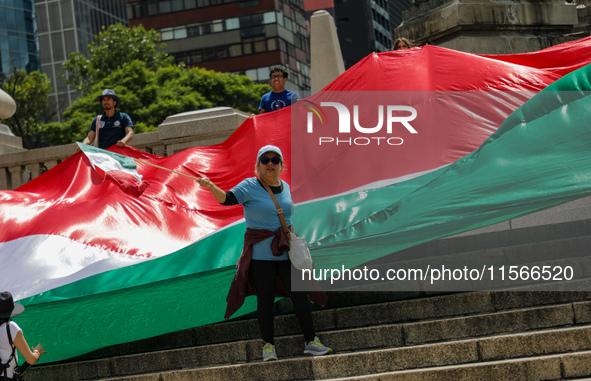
(112, 49)
(149, 96)
(30, 93)
(131, 62)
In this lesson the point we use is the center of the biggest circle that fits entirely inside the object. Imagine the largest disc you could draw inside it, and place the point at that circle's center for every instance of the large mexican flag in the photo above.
(103, 267)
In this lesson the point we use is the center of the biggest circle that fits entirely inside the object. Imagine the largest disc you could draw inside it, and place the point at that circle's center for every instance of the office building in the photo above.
(245, 37)
(68, 26)
(363, 26)
(19, 48)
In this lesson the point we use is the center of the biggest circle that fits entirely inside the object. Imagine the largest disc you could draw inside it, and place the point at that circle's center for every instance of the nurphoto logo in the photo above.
(386, 120)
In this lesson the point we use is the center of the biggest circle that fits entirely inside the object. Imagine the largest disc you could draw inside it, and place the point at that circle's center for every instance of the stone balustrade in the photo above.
(177, 133)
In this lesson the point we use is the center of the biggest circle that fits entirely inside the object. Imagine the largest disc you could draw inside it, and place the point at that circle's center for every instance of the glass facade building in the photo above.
(68, 26)
(19, 48)
(366, 26)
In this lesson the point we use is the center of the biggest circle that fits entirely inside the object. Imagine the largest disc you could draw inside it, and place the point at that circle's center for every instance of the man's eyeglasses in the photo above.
(277, 76)
(265, 160)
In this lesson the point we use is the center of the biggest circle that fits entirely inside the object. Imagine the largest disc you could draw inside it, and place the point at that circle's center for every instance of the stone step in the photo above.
(571, 366)
(402, 311)
(358, 340)
(537, 355)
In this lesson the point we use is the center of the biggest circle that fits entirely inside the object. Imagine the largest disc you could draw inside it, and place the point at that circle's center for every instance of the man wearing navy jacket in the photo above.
(114, 127)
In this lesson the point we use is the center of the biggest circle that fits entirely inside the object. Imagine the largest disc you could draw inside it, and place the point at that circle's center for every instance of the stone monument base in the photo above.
(8, 142)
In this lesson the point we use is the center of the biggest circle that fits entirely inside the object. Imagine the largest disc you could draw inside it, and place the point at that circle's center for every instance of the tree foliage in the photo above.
(112, 49)
(30, 93)
(149, 96)
(131, 62)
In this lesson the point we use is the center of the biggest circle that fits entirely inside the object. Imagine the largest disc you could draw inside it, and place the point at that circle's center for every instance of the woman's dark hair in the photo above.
(4, 320)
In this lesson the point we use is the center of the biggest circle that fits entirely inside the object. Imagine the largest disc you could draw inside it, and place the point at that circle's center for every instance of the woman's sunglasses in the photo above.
(265, 160)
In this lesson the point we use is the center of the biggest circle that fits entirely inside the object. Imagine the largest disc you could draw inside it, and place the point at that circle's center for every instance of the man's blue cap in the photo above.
(109, 93)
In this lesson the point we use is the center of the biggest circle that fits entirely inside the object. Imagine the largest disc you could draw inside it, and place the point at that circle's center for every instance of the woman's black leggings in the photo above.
(263, 274)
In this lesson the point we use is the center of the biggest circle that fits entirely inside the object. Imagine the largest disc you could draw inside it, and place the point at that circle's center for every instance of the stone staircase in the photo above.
(380, 335)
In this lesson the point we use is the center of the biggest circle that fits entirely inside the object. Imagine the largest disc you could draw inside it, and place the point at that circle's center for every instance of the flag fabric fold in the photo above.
(117, 168)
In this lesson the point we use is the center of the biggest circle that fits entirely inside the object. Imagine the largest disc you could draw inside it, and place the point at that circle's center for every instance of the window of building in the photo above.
(190, 4)
(194, 30)
(217, 26)
(252, 31)
(177, 5)
(196, 57)
(67, 14)
(45, 53)
(272, 44)
(70, 39)
(257, 19)
(248, 3)
(260, 46)
(235, 50)
(57, 46)
(233, 23)
(180, 32)
(164, 6)
(221, 53)
(205, 29)
(166, 34)
(300, 19)
(252, 73)
(54, 17)
(263, 73)
(290, 50)
(288, 24)
(209, 54)
(152, 9)
(269, 17)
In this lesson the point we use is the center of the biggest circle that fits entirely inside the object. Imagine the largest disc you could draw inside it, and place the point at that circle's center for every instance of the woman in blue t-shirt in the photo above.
(264, 267)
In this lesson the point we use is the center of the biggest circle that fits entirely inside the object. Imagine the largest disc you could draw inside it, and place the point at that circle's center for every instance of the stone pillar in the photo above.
(490, 26)
(4, 179)
(326, 59)
(50, 164)
(16, 176)
(35, 169)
